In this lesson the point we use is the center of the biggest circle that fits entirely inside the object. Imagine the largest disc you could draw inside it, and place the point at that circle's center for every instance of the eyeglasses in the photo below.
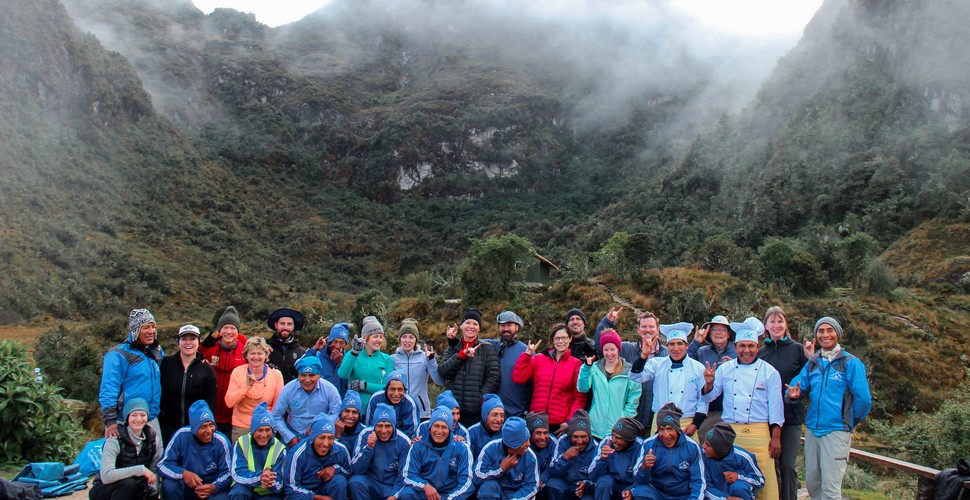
(560, 339)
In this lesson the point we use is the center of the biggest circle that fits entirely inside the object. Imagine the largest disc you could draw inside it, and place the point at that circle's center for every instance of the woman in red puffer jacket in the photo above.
(553, 373)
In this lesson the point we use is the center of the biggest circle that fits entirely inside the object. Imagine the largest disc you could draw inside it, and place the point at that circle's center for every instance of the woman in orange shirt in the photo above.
(251, 384)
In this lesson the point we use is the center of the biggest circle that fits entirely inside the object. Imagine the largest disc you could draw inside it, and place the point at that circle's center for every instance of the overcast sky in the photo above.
(752, 18)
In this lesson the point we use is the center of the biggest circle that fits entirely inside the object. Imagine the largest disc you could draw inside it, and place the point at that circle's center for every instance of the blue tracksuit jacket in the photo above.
(303, 463)
(678, 472)
(210, 461)
(738, 460)
(383, 462)
(521, 481)
(448, 469)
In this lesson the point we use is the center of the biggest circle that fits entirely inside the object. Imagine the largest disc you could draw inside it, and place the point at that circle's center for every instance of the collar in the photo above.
(831, 355)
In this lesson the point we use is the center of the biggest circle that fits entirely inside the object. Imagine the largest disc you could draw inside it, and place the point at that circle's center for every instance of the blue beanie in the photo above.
(447, 399)
(261, 418)
(309, 364)
(384, 413)
(514, 432)
(442, 414)
(396, 375)
(351, 400)
(490, 402)
(199, 413)
(322, 424)
(134, 404)
(339, 331)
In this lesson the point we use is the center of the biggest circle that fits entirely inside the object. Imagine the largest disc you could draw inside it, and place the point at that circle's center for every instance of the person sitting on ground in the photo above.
(348, 423)
(367, 365)
(569, 470)
(378, 457)
(128, 461)
(257, 460)
(730, 471)
(613, 467)
(543, 444)
(669, 466)
(506, 468)
(196, 462)
(417, 361)
(458, 432)
(395, 395)
(303, 399)
(438, 466)
(318, 467)
(330, 351)
(493, 416)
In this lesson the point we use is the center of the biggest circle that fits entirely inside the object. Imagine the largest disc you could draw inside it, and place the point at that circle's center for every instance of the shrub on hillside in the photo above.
(35, 424)
(493, 267)
(721, 254)
(936, 439)
(878, 279)
(71, 358)
(798, 269)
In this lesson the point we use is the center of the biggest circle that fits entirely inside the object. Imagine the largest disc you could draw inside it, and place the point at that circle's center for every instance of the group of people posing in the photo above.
(701, 412)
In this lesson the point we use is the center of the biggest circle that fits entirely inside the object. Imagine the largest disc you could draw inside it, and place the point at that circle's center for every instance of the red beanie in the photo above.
(610, 337)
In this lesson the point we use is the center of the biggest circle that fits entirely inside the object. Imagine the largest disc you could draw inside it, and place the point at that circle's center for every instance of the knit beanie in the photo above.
(514, 432)
(670, 415)
(447, 399)
(610, 337)
(339, 331)
(261, 417)
(351, 400)
(371, 326)
(410, 327)
(828, 320)
(384, 413)
(322, 424)
(399, 376)
(490, 402)
(443, 415)
(199, 413)
(229, 317)
(136, 319)
(721, 439)
(134, 404)
(579, 422)
(575, 312)
(628, 428)
(474, 314)
(309, 364)
(537, 421)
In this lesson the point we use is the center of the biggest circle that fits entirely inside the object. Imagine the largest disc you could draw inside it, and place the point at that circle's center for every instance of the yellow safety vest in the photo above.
(275, 450)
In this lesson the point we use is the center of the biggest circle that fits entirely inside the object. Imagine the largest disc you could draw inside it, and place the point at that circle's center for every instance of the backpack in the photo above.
(949, 482)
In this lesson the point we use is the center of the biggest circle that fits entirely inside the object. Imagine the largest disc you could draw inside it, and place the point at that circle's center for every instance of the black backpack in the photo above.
(949, 482)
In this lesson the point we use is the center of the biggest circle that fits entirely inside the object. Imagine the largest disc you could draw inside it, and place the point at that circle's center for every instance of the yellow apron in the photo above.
(755, 439)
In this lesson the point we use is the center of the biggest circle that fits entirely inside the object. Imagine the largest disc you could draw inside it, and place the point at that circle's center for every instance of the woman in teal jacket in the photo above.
(614, 395)
(367, 366)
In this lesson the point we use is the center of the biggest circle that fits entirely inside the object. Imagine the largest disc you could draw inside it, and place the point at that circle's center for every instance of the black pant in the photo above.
(791, 445)
(128, 488)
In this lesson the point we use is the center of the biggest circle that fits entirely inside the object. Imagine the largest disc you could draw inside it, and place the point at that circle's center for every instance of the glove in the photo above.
(357, 346)
(358, 385)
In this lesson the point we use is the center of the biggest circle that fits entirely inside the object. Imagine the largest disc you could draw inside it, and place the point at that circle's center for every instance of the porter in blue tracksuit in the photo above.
(438, 461)
(730, 471)
(257, 460)
(670, 465)
(395, 395)
(378, 458)
(329, 366)
(318, 452)
(543, 444)
(197, 456)
(448, 400)
(616, 461)
(520, 480)
(569, 469)
(348, 422)
(493, 416)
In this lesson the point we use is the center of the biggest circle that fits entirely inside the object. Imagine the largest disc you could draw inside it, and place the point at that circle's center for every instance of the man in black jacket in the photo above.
(286, 348)
(186, 378)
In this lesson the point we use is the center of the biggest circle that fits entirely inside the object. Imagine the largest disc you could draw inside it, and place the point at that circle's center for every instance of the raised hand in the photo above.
(371, 439)
(531, 348)
(250, 379)
(358, 345)
(606, 450)
(429, 350)
(452, 331)
(320, 344)
(571, 453)
(795, 391)
(809, 348)
(590, 360)
(709, 371)
(470, 351)
(700, 336)
(614, 314)
(649, 460)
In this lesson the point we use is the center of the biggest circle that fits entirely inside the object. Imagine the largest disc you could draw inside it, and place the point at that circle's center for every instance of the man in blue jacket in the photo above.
(257, 460)
(196, 460)
(729, 471)
(395, 395)
(437, 465)
(544, 444)
(670, 465)
(319, 465)
(378, 457)
(330, 351)
(493, 416)
(838, 390)
(131, 370)
(613, 467)
(516, 397)
(302, 399)
(507, 468)
(458, 431)
(348, 423)
(569, 470)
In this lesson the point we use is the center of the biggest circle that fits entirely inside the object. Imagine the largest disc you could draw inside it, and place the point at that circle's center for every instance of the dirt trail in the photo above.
(621, 300)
